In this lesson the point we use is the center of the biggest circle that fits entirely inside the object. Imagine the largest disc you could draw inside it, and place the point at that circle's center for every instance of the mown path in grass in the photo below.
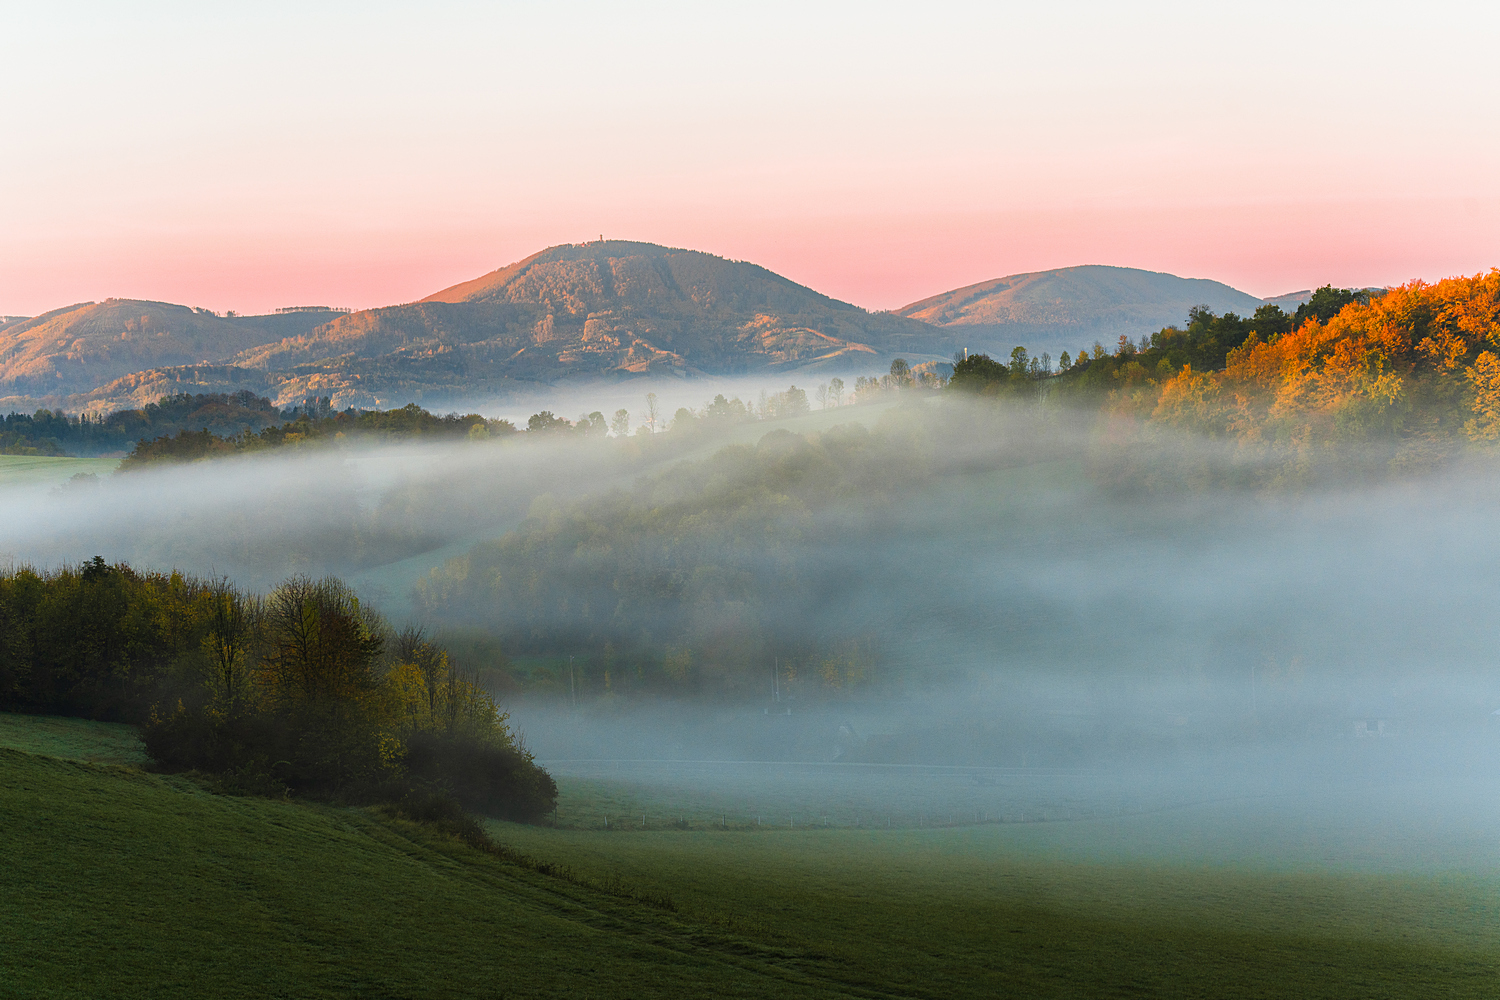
(965, 913)
(125, 884)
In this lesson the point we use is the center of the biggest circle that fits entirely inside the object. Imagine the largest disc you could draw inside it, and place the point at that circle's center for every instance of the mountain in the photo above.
(1289, 301)
(611, 309)
(77, 348)
(1071, 307)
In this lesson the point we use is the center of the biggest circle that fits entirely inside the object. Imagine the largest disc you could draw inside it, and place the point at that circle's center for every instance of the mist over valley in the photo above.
(1037, 653)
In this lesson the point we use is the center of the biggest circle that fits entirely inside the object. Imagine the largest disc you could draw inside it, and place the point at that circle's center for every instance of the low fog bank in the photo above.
(379, 515)
(1005, 577)
(1224, 665)
(1417, 795)
(946, 584)
(672, 393)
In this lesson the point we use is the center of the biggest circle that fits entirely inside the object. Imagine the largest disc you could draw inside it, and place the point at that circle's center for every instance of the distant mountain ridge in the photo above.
(611, 309)
(77, 348)
(1070, 307)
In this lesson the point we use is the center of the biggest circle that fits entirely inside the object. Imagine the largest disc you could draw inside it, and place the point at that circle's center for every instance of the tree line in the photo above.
(303, 690)
(55, 433)
(315, 424)
(1402, 377)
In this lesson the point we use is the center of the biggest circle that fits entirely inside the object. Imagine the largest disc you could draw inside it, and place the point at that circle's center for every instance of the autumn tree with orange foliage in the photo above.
(1416, 365)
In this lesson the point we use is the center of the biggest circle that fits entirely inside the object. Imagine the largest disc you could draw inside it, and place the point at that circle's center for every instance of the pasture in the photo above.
(123, 883)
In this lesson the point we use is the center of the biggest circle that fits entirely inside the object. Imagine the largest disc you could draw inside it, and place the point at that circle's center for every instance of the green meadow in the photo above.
(32, 470)
(122, 883)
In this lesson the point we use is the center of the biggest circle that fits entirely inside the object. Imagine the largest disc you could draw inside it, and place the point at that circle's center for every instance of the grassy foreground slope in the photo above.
(120, 883)
(958, 912)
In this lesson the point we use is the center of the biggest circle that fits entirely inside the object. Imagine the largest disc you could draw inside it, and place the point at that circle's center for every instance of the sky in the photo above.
(249, 156)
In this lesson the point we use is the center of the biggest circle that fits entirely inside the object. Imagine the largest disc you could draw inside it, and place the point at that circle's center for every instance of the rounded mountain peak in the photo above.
(596, 263)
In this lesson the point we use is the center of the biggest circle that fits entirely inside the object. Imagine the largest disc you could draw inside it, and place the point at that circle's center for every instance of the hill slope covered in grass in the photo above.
(125, 884)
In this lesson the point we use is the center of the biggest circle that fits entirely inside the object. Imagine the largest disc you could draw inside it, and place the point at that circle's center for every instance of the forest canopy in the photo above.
(1414, 369)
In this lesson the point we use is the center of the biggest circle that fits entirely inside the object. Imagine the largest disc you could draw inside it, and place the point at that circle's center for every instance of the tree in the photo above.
(591, 425)
(321, 645)
(900, 373)
(836, 391)
(619, 424)
(539, 423)
(1484, 375)
(1270, 322)
(823, 396)
(232, 619)
(1200, 315)
(1064, 362)
(722, 412)
(976, 373)
(653, 411)
(1327, 302)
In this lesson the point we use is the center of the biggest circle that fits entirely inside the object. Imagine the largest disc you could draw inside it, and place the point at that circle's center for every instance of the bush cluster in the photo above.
(303, 690)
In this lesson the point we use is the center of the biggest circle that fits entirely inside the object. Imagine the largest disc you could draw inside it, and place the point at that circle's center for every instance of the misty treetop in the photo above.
(303, 689)
(697, 578)
(315, 423)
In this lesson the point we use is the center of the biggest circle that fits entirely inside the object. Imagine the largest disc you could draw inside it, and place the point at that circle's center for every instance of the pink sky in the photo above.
(357, 155)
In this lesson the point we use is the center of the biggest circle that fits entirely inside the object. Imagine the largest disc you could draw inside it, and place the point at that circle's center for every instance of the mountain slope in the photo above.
(612, 308)
(73, 349)
(1071, 307)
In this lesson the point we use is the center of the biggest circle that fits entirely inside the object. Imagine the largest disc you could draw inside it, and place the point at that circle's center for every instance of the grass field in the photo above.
(72, 739)
(685, 795)
(121, 883)
(27, 470)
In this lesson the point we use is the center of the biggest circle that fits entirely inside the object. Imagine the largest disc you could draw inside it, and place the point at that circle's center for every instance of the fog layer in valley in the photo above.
(1025, 621)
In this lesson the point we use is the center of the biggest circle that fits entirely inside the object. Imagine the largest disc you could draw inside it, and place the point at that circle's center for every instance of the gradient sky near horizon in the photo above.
(249, 156)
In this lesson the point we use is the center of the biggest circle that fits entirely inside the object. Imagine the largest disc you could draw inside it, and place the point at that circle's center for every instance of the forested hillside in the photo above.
(1404, 377)
(1416, 365)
